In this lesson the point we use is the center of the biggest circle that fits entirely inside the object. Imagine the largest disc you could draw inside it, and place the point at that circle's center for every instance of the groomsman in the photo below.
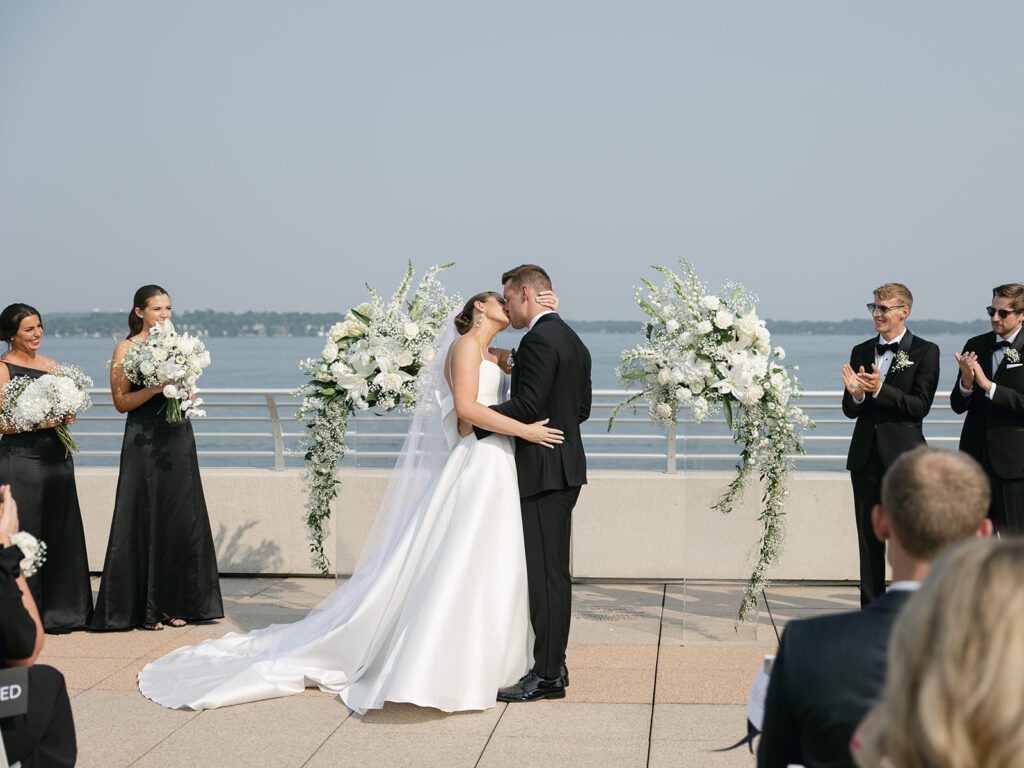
(990, 389)
(890, 383)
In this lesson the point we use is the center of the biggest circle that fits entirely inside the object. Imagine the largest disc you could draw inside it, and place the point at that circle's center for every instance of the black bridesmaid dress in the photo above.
(42, 479)
(160, 563)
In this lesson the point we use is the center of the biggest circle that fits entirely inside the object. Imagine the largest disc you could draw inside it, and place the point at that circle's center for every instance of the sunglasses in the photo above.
(1003, 313)
(882, 309)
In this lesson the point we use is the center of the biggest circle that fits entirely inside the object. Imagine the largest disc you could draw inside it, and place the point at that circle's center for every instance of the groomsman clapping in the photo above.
(990, 389)
(890, 383)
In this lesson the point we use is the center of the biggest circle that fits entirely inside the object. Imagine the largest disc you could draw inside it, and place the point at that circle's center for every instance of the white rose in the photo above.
(147, 368)
(753, 395)
(684, 395)
(330, 353)
(723, 319)
(704, 327)
(710, 302)
(171, 392)
(697, 386)
(411, 330)
(405, 358)
(664, 376)
(780, 353)
(663, 410)
(672, 326)
(159, 354)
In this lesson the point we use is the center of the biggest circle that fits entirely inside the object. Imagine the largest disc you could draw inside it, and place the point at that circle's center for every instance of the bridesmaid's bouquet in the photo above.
(53, 398)
(169, 356)
(33, 551)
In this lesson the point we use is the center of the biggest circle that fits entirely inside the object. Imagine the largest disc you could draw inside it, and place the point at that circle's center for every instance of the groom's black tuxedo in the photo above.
(888, 424)
(550, 380)
(993, 431)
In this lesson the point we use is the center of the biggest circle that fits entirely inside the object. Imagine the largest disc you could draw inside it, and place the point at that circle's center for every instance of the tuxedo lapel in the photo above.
(1018, 343)
(905, 344)
(986, 356)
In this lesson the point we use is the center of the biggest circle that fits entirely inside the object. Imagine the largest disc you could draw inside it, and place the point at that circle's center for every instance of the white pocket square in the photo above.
(1013, 365)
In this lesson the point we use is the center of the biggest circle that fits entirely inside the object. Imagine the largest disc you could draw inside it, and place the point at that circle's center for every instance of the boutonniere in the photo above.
(1012, 355)
(512, 358)
(902, 361)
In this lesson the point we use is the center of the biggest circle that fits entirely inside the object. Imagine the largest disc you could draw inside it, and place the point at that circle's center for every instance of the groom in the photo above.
(550, 380)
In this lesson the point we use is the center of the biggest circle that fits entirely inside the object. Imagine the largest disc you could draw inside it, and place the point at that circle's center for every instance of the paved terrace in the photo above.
(660, 674)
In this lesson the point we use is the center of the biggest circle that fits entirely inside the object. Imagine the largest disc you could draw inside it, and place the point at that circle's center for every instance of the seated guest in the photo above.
(956, 662)
(829, 671)
(45, 735)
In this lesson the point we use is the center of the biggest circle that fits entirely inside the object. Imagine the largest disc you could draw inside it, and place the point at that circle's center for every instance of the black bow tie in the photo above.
(1001, 344)
(881, 349)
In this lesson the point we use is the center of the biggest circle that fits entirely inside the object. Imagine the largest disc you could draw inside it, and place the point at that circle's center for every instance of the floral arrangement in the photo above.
(371, 361)
(708, 353)
(33, 550)
(174, 360)
(30, 404)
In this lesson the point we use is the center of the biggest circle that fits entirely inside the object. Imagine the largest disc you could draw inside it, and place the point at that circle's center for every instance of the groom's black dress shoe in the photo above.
(533, 687)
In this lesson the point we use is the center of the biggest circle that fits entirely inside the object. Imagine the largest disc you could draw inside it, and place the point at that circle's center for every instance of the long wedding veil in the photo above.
(432, 434)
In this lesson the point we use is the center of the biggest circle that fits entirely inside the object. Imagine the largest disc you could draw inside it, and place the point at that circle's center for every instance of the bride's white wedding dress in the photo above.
(436, 614)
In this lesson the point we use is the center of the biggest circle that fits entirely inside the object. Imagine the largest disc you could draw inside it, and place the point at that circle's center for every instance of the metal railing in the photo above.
(256, 428)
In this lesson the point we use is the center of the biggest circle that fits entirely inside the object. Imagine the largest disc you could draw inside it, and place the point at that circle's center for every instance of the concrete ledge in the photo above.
(627, 525)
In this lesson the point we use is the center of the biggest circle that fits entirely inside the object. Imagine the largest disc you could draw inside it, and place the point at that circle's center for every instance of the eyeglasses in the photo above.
(882, 309)
(1003, 313)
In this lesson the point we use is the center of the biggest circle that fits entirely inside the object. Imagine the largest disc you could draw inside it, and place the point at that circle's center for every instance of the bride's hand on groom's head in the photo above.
(548, 299)
(540, 433)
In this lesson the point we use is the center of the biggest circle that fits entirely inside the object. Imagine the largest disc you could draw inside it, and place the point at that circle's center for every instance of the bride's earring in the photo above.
(479, 321)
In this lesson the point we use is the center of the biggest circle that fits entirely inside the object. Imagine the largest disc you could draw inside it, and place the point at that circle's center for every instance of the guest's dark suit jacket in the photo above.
(550, 380)
(993, 430)
(828, 673)
(892, 418)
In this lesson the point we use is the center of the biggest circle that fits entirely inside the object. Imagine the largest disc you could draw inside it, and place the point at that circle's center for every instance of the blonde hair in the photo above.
(935, 499)
(956, 661)
(895, 291)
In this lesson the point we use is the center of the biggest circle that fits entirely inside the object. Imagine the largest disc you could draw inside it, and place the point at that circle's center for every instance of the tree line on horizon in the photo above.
(209, 322)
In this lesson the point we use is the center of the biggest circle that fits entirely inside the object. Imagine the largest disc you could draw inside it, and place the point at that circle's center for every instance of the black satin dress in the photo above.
(42, 480)
(161, 563)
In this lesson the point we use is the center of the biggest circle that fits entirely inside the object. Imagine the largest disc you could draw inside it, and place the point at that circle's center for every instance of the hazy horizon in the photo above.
(248, 153)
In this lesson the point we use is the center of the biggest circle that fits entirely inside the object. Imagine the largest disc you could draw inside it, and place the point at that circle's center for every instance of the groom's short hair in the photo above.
(934, 499)
(897, 291)
(527, 274)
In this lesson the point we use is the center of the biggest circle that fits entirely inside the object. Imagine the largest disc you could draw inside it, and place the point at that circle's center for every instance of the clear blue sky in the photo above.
(250, 154)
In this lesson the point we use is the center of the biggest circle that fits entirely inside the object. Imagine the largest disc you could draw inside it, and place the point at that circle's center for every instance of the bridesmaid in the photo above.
(42, 477)
(161, 567)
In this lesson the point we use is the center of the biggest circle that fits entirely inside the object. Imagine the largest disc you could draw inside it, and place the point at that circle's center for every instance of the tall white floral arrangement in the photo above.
(707, 353)
(371, 361)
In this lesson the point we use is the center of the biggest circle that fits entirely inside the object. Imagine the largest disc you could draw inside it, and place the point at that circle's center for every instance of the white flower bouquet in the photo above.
(33, 551)
(708, 353)
(174, 360)
(53, 398)
(371, 360)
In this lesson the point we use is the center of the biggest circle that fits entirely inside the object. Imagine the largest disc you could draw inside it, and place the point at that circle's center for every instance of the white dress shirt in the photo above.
(538, 317)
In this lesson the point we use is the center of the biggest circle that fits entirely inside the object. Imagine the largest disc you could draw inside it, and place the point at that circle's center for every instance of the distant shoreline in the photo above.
(284, 324)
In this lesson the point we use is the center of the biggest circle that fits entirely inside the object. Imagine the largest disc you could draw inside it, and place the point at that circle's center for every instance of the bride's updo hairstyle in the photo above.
(465, 319)
(142, 297)
(11, 317)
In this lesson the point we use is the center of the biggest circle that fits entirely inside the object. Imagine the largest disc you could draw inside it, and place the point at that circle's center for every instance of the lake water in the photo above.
(270, 363)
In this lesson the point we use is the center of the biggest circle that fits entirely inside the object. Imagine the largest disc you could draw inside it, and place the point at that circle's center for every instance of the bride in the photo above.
(436, 612)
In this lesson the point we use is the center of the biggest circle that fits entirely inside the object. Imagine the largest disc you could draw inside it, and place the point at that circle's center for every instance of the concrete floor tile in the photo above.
(413, 719)
(558, 721)
(707, 674)
(124, 679)
(115, 728)
(83, 673)
(722, 723)
(398, 750)
(132, 643)
(590, 753)
(241, 586)
(611, 656)
(698, 754)
(601, 685)
(278, 732)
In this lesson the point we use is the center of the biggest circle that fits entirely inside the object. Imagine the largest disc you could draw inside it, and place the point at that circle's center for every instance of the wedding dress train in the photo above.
(436, 615)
